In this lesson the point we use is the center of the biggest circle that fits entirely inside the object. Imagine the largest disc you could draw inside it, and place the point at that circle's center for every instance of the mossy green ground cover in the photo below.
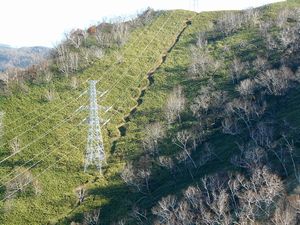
(57, 203)
(54, 127)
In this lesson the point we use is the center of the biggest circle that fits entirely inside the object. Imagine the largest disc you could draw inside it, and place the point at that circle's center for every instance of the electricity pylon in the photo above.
(95, 154)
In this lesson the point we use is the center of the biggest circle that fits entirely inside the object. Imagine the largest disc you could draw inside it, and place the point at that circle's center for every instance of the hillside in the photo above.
(204, 126)
(21, 57)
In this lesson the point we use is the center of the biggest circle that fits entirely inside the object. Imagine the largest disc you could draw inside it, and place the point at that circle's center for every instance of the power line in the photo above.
(113, 86)
(39, 154)
(50, 165)
(109, 70)
(144, 49)
(69, 154)
(123, 77)
(95, 153)
(30, 181)
(40, 137)
(59, 107)
(42, 152)
(81, 95)
(36, 117)
(41, 121)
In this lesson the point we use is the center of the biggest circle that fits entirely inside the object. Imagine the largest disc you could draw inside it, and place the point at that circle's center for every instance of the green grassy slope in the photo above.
(172, 73)
(65, 143)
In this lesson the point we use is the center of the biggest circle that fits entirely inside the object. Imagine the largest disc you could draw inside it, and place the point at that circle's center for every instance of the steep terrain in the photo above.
(124, 80)
(205, 114)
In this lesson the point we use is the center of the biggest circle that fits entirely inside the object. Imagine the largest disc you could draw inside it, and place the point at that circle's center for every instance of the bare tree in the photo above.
(289, 38)
(97, 53)
(104, 38)
(4, 81)
(74, 82)
(175, 105)
(137, 177)
(145, 17)
(271, 43)
(62, 58)
(284, 214)
(202, 64)
(15, 146)
(282, 17)
(260, 192)
(92, 218)
(277, 82)
(294, 201)
(73, 62)
(139, 215)
(245, 110)
(207, 154)
(76, 37)
(165, 210)
(1, 124)
(183, 140)
(120, 33)
(201, 40)
(251, 17)
(247, 87)
(229, 23)
(260, 64)
(169, 164)
(129, 177)
(80, 194)
(49, 95)
(48, 76)
(262, 134)
(87, 55)
(211, 202)
(166, 162)
(100, 37)
(194, 196)
(264, 28)
(145, 174)
(154, 132)
(224, 200)
(291, 150)
(208, 99)
(120, 222)
(251, 156)
(237, 70)
(22, 178)
(67, 61)
(230, 125)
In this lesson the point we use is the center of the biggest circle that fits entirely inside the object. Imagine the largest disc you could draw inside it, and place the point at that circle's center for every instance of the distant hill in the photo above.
(21, 57)
(4, 46)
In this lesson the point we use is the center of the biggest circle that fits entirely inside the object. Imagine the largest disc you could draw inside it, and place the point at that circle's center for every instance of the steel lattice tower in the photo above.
(95, 154)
